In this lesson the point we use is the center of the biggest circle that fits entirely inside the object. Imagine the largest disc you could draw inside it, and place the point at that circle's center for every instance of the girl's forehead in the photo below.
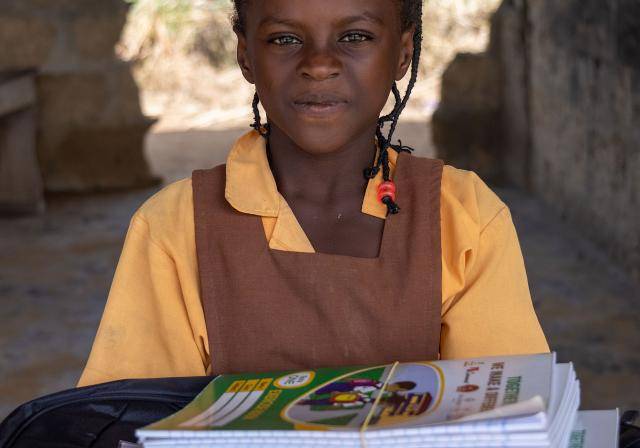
(317, 11)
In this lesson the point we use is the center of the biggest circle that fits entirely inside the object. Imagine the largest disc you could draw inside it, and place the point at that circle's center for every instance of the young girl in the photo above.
(288, 257)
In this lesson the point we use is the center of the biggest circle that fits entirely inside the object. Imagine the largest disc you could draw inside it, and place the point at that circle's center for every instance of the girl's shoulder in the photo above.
(167, 216)
(173, 204)
(465, 195)
(172, 200)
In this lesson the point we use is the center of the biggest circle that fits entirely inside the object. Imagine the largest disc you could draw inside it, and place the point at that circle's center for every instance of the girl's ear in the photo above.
(406, 53)
(243, 58)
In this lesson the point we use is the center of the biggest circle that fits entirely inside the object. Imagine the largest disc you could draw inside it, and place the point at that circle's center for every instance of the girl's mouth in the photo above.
(319, 105)
(320, 110)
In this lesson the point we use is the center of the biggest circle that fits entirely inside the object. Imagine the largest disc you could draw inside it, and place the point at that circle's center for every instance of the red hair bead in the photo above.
(385, 189)
(387, 185)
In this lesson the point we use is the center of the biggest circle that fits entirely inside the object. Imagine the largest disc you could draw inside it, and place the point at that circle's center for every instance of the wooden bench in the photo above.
(21, 188)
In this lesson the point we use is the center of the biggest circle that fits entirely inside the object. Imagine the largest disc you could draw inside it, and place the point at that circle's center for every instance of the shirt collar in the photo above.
(251, 188)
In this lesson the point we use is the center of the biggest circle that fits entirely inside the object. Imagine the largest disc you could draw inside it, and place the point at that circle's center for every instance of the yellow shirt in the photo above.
(154, 326)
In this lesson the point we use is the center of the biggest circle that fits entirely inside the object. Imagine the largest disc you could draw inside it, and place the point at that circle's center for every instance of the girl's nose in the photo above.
(319, 64)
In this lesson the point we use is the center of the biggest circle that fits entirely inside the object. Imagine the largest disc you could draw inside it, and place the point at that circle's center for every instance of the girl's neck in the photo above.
(326, 192)
(332, 178)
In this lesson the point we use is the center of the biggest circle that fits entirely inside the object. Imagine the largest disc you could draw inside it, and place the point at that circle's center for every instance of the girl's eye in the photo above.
(355, 37)
(285, 40)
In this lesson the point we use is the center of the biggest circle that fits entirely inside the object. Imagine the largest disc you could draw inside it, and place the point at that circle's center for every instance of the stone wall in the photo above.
(90, 125)
(585, 116)
(480, 92)
(568, 80)
(465, 127)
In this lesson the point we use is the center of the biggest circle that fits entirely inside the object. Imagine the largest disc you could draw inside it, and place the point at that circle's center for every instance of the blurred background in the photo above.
(102, 102)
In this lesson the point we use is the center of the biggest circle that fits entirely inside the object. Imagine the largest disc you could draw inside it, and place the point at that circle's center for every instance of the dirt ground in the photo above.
(55, 272)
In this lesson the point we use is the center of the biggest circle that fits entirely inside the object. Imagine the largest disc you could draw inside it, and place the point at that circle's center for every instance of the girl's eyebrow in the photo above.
(273, 20)
(365, 16)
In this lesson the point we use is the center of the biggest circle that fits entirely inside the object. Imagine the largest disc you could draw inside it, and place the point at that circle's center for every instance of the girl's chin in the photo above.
(321, 141)
(322, 137)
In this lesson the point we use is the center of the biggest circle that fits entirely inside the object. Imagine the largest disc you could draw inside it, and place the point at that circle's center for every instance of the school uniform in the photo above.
(216, 275)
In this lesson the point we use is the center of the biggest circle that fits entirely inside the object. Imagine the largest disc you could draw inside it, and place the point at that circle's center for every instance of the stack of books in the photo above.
(510, 401)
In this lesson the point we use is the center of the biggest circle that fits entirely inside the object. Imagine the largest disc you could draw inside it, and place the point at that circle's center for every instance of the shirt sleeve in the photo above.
(493, 313)
(145, 330)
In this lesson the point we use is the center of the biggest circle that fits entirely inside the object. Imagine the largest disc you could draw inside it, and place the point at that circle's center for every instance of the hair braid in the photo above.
(264, 130)
(415, 13)
(398, 101)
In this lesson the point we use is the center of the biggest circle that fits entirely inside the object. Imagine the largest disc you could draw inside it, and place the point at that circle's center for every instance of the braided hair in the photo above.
(411, 15)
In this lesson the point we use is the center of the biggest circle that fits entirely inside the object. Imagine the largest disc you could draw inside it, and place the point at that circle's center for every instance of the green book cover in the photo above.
(322, 399)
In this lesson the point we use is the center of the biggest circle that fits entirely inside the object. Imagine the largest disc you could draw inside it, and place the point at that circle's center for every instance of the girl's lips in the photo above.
(324, 109)
(320, 105)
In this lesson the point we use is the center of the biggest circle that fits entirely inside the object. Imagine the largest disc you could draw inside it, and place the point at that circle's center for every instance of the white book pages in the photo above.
(595, 429)
(514, 439)
(561, 380)
(533, 424)
(261, 444)
(283, 444)
(563, 423)
(561, 437)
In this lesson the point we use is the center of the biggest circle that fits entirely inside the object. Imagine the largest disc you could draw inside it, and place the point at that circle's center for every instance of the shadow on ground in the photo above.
(55, 272)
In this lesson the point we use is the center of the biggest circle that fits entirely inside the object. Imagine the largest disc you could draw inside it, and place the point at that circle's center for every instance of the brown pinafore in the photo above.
(273, 310)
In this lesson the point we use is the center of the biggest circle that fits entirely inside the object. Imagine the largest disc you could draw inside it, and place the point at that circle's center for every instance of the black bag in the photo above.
(629, 430)
(97, 416)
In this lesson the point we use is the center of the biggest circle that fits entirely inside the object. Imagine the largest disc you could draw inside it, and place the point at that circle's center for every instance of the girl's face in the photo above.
(324, 68)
